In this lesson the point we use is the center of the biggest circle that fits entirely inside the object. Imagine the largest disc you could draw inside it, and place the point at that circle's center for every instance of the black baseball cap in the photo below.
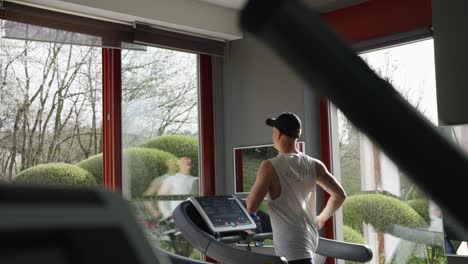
(287, 123)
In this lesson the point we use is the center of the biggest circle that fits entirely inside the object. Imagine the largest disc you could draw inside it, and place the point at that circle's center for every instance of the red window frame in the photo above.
(112, 118)
(207, 157)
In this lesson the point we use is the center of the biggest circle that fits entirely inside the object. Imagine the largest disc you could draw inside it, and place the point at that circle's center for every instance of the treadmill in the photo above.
(218, 226)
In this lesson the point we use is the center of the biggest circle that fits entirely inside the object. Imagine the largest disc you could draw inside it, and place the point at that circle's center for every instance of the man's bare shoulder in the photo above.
(267, 171)
(320, 168)
(266, 166)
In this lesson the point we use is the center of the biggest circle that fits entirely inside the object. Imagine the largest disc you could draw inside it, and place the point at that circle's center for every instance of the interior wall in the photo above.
(451, 60)
(257, 85)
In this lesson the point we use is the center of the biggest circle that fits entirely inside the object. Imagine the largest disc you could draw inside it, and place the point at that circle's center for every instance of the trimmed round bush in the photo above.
(180, 146)
(352, 236)
(381, 211)
(143, 164)
(93, 165)
(56, 174)
(421, 206)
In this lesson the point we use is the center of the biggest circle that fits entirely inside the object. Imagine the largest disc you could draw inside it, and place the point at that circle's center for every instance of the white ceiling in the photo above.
(320, 5)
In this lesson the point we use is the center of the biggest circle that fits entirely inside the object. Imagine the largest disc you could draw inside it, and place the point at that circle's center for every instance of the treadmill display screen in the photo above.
(225, 213)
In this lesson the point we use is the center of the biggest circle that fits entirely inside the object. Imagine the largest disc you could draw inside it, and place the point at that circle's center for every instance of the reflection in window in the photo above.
(50, 108)
(384, 209)
(160, 139)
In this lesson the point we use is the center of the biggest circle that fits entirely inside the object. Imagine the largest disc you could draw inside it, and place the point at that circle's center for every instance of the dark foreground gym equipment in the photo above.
(220, 245)
(73, 226)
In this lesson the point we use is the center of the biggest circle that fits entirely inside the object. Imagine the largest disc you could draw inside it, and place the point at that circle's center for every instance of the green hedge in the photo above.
(93, 165)
(352, 236)
(143, 164)
(56, 174)
(180, 146)
(381, 211)
(421, 206)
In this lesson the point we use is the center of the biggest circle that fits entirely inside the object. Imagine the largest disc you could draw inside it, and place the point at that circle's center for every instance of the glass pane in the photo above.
(50, 112)
(160, 139)
(384, 209)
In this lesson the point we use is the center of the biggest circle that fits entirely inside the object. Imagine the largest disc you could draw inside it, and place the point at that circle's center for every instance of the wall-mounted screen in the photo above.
(248, 159)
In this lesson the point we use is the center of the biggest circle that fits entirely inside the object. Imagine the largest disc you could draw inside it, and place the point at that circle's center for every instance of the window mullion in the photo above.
(112, 119)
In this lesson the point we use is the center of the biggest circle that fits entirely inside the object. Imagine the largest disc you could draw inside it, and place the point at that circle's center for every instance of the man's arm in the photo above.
(261, 186)
(152, 190)
(166, 188)
(331, 186)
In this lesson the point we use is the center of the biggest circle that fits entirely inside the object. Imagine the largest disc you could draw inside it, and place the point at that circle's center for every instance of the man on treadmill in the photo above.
(288, 181)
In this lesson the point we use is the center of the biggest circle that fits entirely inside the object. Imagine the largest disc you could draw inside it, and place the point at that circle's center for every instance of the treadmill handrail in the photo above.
(247, 239)
(344, 250)
(176, 259)
(326, 247)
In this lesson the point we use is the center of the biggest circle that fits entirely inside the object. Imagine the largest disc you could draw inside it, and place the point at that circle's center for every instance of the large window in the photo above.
(384, 208)
(57, 84)
(160, 139)
(50, 107)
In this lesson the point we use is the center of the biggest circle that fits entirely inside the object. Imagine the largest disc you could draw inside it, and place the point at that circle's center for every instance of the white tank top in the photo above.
(293, 213)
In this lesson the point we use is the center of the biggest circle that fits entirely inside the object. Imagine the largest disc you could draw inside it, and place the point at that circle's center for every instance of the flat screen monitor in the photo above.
(223, 213)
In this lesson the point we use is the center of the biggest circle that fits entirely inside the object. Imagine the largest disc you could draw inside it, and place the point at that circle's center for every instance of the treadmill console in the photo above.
(223, 213)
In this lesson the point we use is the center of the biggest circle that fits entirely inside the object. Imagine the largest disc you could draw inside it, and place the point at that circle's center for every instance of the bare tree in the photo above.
(51, 100)
(40, 85)
(159, 93)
